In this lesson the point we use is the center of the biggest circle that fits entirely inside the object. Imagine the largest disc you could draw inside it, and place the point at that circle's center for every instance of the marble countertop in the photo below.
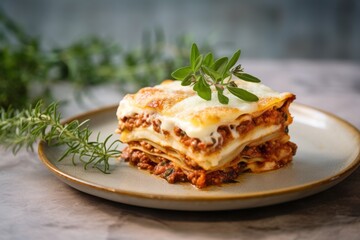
(35, 205)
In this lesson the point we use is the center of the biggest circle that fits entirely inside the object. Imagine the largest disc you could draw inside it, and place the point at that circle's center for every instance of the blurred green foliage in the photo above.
(25, 65)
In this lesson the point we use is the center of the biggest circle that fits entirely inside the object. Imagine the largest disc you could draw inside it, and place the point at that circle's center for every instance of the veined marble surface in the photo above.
(35, 205)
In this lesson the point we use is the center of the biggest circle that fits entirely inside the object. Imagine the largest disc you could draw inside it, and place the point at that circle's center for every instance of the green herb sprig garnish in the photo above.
(205, 72)
(23, 128)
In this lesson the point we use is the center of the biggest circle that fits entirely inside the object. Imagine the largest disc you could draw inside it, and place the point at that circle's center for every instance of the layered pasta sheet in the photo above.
(175, 134)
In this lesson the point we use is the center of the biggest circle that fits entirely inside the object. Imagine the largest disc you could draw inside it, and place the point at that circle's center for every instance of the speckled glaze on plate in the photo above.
(328, 152)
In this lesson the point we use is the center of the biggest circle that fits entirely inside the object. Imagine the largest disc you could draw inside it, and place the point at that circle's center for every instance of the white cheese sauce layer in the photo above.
(207, 162)
(179, 114)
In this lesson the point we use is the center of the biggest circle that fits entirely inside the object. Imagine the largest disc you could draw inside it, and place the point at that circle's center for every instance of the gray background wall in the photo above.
(316, 29)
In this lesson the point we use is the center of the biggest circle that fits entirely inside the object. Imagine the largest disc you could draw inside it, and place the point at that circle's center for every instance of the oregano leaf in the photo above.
(243, 94)
(203, 89)
(233, 60)
(219, 63)
(181, 73)
(198, 62)
(187, 81)
(247, 77)
(221, 97)
(208, 60)
(193, 55)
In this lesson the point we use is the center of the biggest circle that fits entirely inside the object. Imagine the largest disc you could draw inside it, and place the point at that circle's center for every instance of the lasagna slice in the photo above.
(172, 132)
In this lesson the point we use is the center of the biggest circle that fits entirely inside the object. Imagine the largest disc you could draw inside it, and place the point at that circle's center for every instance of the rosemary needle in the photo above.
(23, 128)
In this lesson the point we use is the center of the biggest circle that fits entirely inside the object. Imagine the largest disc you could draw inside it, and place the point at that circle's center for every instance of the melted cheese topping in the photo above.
(180, 106)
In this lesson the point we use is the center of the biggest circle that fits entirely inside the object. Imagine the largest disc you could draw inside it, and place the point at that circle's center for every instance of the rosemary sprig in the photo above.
(205, 72)
(23, 128)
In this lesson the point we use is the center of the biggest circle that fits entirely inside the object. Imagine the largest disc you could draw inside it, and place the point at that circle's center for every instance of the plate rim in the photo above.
(241, 196)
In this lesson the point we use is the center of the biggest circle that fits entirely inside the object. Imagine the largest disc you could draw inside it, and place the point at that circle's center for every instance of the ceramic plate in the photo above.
(328, 151)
